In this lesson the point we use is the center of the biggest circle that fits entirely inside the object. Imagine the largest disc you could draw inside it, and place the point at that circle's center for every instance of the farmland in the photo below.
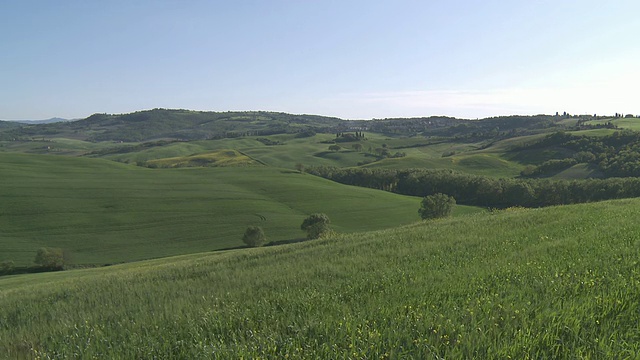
(150, 209)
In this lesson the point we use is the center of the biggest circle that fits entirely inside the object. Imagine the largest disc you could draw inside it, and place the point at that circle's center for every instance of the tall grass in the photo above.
(560, 282)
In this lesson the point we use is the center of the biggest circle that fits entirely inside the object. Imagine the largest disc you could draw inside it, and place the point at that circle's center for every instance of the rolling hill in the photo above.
(560, 282)
(174, 124)
(169, 193)
(104, 212)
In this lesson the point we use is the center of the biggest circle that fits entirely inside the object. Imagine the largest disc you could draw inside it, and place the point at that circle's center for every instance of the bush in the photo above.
(436, 206)
(6, 267)
(316, 225)
(50, 258)
(254, 236)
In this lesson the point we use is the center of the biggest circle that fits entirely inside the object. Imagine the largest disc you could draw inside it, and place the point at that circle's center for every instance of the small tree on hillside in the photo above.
(436, 206)
(50, 258)
(316, 225)
(254, 236)
(334, 148)
(6, 267)
(300, 167)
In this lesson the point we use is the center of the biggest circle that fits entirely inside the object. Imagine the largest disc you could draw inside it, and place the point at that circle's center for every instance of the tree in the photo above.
(382, 152)
(50, 258)
(334, 147)
(316, 225)
(300, 167)
(254, 236)
(6, 267)
(357, 147)
(436, 206)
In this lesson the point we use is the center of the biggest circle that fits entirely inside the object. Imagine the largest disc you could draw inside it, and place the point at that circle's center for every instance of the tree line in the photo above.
(483, 191)
(615, 155)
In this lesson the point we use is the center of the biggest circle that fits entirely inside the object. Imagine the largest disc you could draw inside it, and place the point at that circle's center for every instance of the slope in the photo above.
(173, 123)
(561, 282)
(104, 212)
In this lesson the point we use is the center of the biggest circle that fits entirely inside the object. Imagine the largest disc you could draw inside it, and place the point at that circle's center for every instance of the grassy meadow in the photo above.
(168, 216)
(632, 123)
(107, 212)
(558, 282)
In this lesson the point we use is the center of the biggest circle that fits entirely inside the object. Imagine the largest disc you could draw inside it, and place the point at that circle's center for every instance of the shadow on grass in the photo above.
(38, 269)
(272, 243)
(285, 242)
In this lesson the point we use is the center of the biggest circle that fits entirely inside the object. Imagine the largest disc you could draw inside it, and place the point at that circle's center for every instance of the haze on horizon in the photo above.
(350, 59)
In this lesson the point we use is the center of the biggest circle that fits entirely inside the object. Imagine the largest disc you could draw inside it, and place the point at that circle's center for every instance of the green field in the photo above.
(559, 282)
(167, 214)
(106, 212)
(313, 151)
(623, 123)
(219, 158)
(578, 171)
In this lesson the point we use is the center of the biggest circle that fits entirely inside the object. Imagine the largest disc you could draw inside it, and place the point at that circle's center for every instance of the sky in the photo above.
(349, 59)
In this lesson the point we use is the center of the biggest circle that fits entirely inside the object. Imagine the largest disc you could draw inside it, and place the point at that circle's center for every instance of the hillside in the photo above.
(182, 124)
(9, 124)
(559, 282)
(174, 124)
(104, 212)
(493, 147)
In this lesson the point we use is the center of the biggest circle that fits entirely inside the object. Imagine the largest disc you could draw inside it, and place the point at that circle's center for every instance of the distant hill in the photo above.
(47, 121)
(186, 125)
(9, 124)
(177, 124)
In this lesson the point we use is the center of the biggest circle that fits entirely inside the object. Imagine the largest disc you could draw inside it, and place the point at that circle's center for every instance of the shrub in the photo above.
(436, 206)
(6, 267)
(316, 225)
(50, 258)
(254, 236)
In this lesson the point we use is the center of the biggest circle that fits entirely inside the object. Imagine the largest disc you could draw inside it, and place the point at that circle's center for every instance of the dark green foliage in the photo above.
(436, 206)
(254, 236)
(483, 190)
(584, 157)
(269, 142)
(306, 133)
(347, 137)
(316, 225)
(616, 155)
(334, 148)
(382, 152)
(50, 258)
(6, 267)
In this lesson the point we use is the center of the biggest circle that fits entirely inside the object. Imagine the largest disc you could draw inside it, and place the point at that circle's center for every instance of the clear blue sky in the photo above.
(351, 59)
